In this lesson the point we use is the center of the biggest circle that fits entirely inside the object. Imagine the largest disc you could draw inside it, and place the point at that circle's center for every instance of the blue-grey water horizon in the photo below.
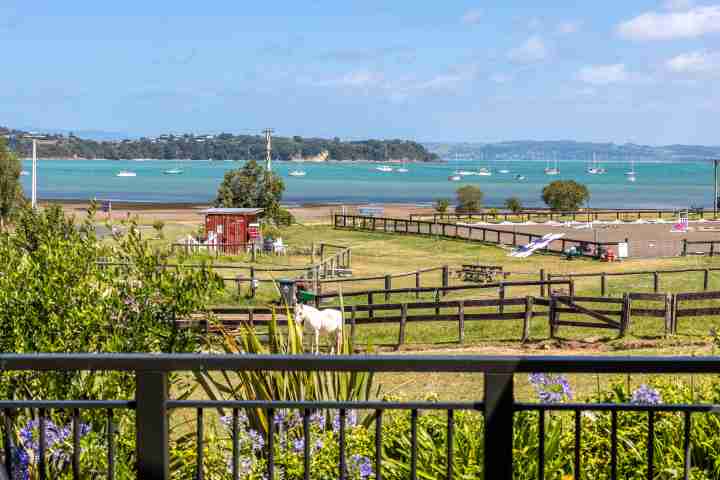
(658, 184)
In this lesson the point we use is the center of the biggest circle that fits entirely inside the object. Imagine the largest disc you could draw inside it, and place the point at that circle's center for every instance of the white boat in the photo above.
(384, 168)
(24, 173)
(595, 168)
(550, 170)
(402, 170)
(297, 173)
(454, 178)
(631, 174)
(484, 172)
(126, 173)
(174, 171)
(520, 178)
(464, 173)
(504, 170)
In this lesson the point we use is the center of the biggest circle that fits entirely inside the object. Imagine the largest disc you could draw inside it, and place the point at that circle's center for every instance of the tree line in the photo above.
(226, 147)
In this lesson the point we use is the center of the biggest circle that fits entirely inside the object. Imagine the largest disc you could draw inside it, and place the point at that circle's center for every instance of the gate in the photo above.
(598, 318)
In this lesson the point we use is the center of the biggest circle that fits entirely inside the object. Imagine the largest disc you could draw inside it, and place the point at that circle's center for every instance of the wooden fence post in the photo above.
(403, 321)
(445, 278)
(684, 249)
(625, 315)
(674, 322)
(461, 322)
(417, 284)
(603, 284)
(553, 317)
(712, 248)
(542, 285)
(322, 252)
(388, 286)
(501, 298)
(668, 313)
(656, 282)
(528, 316)
(437, 303)
(371, 312)
(706, 279)
(572, 289)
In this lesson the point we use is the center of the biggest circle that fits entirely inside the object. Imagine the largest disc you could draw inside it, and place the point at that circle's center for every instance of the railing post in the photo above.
(461, 322)
(706, 279)
(626, 312)
(603, 284)
(388, 286)
(151, 425)
(684, 250)
(499, 409)
(542, 285)
(252, 282)
(445, 278)
(656, 282)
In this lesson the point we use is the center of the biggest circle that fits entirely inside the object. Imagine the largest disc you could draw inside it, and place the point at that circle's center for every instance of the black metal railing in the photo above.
(152, 403)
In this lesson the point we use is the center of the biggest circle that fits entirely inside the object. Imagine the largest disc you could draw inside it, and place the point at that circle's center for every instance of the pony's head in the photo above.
(298, 314)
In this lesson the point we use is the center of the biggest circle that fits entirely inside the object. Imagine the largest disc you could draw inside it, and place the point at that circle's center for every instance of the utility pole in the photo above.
(715, 183)
(268, 149)
(34, 174)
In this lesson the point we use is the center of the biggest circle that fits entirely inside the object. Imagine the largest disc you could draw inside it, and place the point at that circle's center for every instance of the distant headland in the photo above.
(224, 146)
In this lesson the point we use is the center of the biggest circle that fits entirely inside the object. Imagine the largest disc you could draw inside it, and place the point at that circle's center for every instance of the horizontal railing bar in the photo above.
(622, 407)
(358, 363)
(355, 405)
(67, 404)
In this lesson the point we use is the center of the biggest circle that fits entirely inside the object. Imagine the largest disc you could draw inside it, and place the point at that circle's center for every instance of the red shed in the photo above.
(228, 227)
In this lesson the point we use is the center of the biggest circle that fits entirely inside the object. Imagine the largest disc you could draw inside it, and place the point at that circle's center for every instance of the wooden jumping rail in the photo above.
(460, 232)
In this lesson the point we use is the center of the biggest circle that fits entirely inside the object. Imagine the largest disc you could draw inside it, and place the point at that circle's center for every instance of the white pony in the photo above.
(322, 321)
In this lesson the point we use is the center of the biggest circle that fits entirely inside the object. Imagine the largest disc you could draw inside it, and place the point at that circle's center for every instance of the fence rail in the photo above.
(527, 214)
(497, 402)
(464, 232)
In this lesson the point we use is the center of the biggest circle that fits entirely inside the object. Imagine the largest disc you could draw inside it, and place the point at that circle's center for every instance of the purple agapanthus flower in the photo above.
(646, 395)
(551, 388)
(350, 420)
(362, 465)
(56, 445)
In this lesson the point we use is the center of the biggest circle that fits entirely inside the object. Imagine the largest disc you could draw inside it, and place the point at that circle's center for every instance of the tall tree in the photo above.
(251, 187)
(11, 194)
(469, 199)
(567, 195)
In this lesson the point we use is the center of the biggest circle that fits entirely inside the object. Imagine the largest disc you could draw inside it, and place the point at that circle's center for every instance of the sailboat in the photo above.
(484, 171)
(126, 173)
(176, 170)
(631, 175)
(297, 173)
(552, 170)
(595, 168)
(402, 169)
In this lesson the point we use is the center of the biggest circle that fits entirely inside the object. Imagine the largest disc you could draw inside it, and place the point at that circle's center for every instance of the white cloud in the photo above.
(532, 50)
(695, 62)
(603, 74)
(569, 27)
(692, 23)
(676, 5)
(472, 16)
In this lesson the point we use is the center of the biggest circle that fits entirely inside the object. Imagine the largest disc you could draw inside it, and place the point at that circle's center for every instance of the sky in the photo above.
(642, 71)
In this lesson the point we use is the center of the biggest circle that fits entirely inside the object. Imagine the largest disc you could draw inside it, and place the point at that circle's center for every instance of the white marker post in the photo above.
(34, 175)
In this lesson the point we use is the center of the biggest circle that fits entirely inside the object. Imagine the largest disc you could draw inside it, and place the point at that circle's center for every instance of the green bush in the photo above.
(565, 195)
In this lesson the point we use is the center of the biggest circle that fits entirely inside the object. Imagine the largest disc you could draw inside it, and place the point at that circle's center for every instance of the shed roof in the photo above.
(233, 211)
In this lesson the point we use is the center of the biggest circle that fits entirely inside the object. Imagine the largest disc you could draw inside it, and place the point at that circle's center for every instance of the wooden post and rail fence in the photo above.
(463, 232)
(585, 312)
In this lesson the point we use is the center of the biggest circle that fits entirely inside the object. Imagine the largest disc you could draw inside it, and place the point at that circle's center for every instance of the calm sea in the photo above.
(668, 185)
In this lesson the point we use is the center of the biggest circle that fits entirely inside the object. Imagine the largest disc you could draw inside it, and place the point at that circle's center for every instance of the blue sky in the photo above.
(640, 71)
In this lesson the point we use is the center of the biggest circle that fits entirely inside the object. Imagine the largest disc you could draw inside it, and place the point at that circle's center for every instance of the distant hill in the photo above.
(224, 146)
(570, 150)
